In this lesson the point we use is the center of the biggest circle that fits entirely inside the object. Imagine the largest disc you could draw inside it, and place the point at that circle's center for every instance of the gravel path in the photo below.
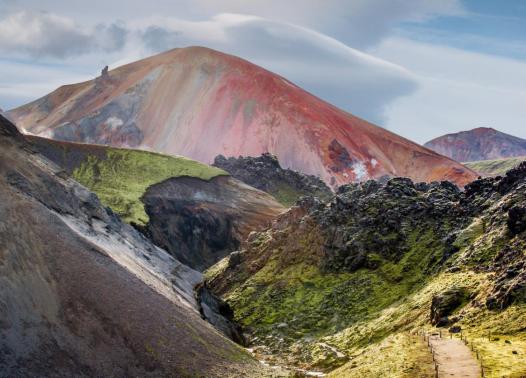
(454, 358)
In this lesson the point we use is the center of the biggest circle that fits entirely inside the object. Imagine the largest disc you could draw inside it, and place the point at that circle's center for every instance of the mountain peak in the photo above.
(481, 143)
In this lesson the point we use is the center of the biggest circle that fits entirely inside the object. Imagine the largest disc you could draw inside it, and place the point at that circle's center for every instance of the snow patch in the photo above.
(374, 163)
(360, 171)
(114, 122)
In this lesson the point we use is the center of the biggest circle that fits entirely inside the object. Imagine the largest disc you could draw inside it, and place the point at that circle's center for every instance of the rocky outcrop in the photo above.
(445, 303)
(510, 280)
(201, 221)
(218, 313)
(83, 294)
(517, 219)
(482, 143)
(266, 174)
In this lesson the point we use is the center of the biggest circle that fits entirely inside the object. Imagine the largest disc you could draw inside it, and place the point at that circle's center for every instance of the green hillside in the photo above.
(123, 176)
(119, 176)
(494, 167)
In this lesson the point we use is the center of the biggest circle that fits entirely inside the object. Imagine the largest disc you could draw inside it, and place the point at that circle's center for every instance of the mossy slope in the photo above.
(494, 167)
(328, 283)
(120, 176)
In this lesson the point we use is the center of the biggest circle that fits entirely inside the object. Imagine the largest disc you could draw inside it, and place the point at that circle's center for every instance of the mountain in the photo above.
(201, 103)
(83, 294)
(497, 167)
(196, 212)
(482, 143)
(345, 286)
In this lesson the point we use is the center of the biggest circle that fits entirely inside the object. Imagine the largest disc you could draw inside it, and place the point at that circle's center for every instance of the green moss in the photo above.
(286, 194)
(470, 233)
(494, 167)
(400, 355)
(311, 303)
(122, 177)
(299, 307)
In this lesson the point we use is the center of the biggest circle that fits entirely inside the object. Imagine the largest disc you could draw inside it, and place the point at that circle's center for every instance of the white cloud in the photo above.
(438, 90)
(42, 34)
(458, 90)
(358, 23)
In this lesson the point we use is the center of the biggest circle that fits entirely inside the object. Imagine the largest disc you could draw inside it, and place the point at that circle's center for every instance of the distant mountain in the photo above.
(496, 167)
(83, 294)
(482, 143)
(201, 103)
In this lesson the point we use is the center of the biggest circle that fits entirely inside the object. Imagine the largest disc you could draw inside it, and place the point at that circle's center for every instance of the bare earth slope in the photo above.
(83, 294)
(482, 143)
(200, 103)
(200, 222)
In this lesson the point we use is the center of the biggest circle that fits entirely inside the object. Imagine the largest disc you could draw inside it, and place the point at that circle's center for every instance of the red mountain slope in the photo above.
(200, 103)
(482, 143)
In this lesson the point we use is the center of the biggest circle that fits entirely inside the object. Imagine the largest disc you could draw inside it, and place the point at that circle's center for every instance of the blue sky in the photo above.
(488, 26)
(420, 68)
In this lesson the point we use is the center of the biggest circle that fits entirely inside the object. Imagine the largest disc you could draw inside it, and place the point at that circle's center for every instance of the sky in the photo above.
(420, 68)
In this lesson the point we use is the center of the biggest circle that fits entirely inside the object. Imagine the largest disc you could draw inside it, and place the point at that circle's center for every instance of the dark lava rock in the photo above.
(443, 305)
(455, 329)
(517, 219)
(265, 173)
(510, 277)
(370, 221)
(512, 178)
(218, 313)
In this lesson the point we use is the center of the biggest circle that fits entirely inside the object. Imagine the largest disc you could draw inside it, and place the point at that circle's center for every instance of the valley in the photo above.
(193, 214)
(333, 285)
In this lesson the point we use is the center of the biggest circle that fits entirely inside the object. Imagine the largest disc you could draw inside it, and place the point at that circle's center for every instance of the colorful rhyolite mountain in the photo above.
(200, 103)
(482, 143)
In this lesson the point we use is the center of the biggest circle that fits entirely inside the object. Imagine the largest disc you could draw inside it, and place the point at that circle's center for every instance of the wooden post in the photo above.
(482, 368)
(440, 333)
(477, 354)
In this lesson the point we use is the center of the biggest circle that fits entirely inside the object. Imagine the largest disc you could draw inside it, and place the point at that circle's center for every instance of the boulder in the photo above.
(517, 219)
(445, 303)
